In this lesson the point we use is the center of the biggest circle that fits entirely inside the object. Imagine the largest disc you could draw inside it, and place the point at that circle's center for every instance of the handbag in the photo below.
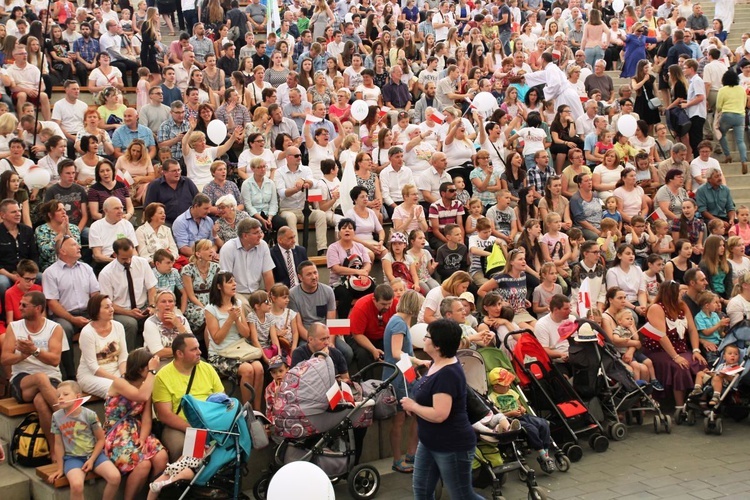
(257, 430)
(241, 350)
(386, 404)
(476, 408)
(654, 103)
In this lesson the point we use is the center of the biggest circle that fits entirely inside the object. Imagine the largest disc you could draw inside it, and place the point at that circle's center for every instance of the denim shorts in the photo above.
(71, 462)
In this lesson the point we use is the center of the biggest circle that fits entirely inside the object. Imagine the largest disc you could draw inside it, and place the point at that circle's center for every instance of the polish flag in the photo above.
(650, 331)
(312, 119)
(437, 117)
(584, 298)
(657, 214)
(404, 364)
(125, 177)
(383, 111)
(334, 395)
(339, 326)
(195, 442)
(347, 393)
(314, 195)
(77, 403)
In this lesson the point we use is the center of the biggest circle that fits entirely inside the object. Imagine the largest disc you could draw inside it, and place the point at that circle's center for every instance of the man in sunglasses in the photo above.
(590, 268)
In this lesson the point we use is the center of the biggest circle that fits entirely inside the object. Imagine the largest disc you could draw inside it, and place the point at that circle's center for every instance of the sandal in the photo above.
(402, 467)
(409, 459)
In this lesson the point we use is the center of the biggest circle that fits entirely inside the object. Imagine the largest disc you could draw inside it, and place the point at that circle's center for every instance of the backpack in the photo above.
(29, 447)
(401, 270)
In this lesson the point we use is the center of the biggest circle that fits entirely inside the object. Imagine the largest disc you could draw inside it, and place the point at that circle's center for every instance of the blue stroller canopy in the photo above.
(226, 425)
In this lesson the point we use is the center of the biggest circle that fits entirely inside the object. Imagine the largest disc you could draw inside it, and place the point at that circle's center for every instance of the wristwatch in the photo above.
(36, 353)
(153, 372)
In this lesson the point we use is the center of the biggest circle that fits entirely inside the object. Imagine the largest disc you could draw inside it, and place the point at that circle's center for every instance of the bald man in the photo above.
(132, 130)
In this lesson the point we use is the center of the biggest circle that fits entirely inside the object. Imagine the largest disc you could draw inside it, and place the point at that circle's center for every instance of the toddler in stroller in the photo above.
(507, 401)
(720, 377)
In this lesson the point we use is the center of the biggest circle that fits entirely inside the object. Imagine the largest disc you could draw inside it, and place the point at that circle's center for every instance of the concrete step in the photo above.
(93, 489)
(14, 484)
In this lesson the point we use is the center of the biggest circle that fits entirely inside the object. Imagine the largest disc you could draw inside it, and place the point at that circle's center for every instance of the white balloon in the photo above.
(627, 125)
(300, 480)
(216, 131)
(359, 110)
(485, 103)
(37, 178)
(618, 5)
(747, 46)
(417, 333)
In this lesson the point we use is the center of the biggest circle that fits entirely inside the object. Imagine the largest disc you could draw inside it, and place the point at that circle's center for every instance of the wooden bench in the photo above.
(86, 89)
(45, 471)
(12, 408)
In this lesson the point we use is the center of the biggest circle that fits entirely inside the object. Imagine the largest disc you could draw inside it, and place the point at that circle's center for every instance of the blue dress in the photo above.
(396, 325)
(635, 50)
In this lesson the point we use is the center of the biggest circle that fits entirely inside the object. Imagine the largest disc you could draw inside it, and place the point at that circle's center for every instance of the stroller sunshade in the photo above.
(571, 408)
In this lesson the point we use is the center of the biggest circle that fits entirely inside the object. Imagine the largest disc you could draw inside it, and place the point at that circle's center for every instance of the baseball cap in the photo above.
(500, 376)
(276, 362)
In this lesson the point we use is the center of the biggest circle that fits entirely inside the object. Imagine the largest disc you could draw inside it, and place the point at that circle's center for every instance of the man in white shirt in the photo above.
(546, 328)
(447, 88)
(695, 106)
(131, 285)
(183, 69)
(107, 15)
(111, 227)
(26, 85)
(585, 122)
(70, 34)
(111, 43)
(282, 92)
(68, 113)
(335, 47)
(712, 73)
(393, 178)
(430, 181)
(442, 20)
(292, 182)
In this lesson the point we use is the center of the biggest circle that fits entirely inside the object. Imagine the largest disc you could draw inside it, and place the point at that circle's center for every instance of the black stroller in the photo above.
(604, 382)
(550, 393)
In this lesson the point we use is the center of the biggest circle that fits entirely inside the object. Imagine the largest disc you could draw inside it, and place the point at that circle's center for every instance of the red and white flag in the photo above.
(437, 117)
(314, 195)
(650, 331)
(77, 403)
(584, 298)
(657, 214)
(334, 395)
(312, 119)
(407, 368)
(347, 393)
(339, 326)
(125, 177)
(383, 111)
(195, 442)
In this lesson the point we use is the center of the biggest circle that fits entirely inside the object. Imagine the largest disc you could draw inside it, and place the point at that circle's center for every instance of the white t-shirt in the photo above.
(369, 95)
(699, 168)
(101, 80)
(441, 34)
(432, 300)
(316, 154)
(84, 173)
(70, 115)
(355, 77)
(458, 152)
(533, 140)
(198, 165)
(103, 234)
(547, 335)
(243, 162)
(631, 200)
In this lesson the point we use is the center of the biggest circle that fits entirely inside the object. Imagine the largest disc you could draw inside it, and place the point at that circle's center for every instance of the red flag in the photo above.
(77, 403)
(334, 395)
(125, 177)
(339, 326)
(314, 195)
(195, 442)
(657, 214)
(650, 331)
(404, 364)
(347, 393)
(383, 111)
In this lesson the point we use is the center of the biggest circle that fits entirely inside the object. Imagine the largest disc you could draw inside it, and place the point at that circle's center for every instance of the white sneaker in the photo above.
(157, 486)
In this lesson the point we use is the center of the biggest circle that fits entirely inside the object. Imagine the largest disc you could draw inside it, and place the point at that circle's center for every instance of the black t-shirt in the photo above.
(694, 308)
(73, 198)
(303, 353)
(449, 261)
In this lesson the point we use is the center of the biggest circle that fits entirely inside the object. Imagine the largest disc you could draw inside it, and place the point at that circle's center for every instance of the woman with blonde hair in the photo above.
(261, 124)
(137, 163)
(149, 30)
(198, 157)
(197, 277)
(454, 286)
(8, 128)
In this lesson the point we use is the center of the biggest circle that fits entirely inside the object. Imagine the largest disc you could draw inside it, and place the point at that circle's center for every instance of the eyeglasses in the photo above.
(296, 156)
(259, 140)
(28, 280)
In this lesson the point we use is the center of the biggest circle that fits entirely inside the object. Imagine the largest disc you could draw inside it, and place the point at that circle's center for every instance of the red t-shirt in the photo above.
(364, 320)
(13, 298)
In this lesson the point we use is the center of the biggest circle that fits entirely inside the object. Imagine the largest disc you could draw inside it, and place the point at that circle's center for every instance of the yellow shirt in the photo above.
(731, 100)
(170, 385)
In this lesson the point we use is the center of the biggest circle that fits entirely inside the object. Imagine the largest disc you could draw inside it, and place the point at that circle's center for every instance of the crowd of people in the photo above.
(484, 219)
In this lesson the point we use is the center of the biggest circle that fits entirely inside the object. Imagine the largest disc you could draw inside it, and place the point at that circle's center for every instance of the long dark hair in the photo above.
(533, 248)
(215, 296)
(137, 361)
(5, 178)
(526, 211)
(509, 169)
(548, 192)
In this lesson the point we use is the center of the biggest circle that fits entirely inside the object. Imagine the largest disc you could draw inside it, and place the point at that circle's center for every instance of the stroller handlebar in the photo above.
(509, 336)
(372, 366)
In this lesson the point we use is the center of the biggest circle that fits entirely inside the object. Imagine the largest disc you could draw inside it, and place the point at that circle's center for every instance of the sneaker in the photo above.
(657, 385)
(547, 464)
(515, 425)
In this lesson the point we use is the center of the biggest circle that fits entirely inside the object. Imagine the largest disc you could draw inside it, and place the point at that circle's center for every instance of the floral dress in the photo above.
(45, 240)
(368, 184)
(122, 424)
(201, 287)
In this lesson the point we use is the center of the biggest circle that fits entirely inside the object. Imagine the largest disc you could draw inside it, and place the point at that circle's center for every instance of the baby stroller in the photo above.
(509, 445)
(220, 473)
(330, 438)
(734, 401)
(603, 380)
(550, 393)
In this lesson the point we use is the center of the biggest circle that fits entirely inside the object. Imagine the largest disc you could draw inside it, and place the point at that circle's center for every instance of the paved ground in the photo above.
(686, 464)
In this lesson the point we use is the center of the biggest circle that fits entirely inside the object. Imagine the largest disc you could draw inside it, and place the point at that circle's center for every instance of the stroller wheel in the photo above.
(706, 426)
(657, 424)
(600, 443)
(363, 481)
(562, 463)
(536, 493)
(574, 453)
(668, 424)
(679, 416)
(618, 431)
(260, 490)
(522, 475)
(719, 429)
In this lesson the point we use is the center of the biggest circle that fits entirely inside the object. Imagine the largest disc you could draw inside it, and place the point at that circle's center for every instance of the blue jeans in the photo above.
(505, 38)
(453, 467)
(592, 54)
(736, 122)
